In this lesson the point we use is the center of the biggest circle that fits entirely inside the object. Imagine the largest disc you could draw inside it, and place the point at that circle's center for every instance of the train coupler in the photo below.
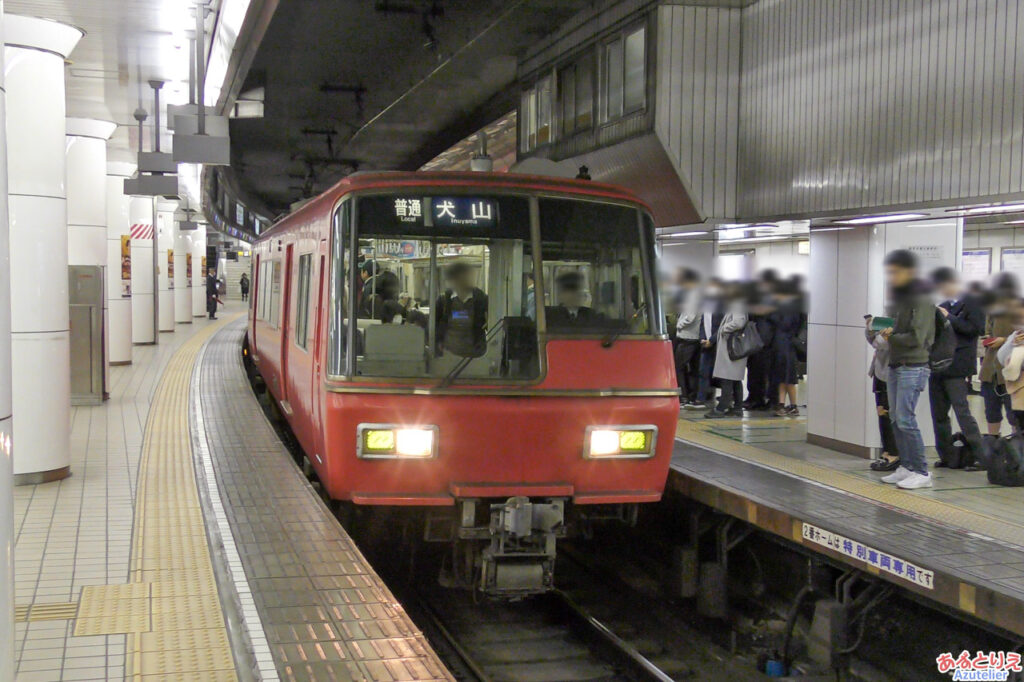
(520, 559)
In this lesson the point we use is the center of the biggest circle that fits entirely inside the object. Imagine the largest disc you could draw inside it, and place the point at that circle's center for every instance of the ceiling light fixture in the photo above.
(1002, 208)
(873, 219)
(685, 234)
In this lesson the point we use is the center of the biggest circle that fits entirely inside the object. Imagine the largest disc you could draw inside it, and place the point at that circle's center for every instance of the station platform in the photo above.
(959, 544)
(186, 545)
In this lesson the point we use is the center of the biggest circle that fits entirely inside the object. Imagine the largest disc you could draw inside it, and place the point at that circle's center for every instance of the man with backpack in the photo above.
(947, 388)
(910, 341)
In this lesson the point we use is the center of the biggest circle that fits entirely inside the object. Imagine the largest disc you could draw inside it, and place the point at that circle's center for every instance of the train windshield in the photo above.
(445, 287)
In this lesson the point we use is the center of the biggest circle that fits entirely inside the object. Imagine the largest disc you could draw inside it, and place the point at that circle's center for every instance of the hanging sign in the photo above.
(126, 266)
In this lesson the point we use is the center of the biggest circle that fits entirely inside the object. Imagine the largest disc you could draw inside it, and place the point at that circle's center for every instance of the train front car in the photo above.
(497, 354)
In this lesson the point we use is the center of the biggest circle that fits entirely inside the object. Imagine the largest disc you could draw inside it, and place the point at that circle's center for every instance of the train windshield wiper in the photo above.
(609, 341)
(464, 362)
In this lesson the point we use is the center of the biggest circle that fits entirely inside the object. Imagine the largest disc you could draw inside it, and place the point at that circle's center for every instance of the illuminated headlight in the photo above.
(620, 442)
(391, 441)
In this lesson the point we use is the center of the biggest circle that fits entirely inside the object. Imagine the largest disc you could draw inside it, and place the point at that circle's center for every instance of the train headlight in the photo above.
(393, 441)
(620, 442)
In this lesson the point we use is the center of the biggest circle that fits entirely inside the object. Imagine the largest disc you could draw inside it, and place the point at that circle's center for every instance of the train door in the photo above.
(255, 300)
(316, 381)
(286, 323)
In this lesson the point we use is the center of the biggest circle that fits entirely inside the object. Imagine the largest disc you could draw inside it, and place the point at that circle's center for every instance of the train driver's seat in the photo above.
(397, 350)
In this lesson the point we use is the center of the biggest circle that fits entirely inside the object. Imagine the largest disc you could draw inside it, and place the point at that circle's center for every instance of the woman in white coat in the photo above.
(729, 372)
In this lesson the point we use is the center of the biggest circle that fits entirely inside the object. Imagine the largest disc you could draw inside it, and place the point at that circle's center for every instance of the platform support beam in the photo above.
(182, 280)
(34, 54)
(164, 259)
(198, 272)
(140, 211)
(119, 278)
(848, 281)
(6, 466)
(87, 204)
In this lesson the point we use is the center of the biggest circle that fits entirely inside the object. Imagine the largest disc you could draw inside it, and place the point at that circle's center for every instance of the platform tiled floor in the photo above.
(326, 614)
(77, 533)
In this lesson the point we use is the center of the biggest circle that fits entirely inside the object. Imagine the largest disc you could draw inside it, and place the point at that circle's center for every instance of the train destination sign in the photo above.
(447, 211)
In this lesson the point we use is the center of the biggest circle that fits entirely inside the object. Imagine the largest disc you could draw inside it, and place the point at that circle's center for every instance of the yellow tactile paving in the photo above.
(44, 611)
(697, 433)
(170, 609)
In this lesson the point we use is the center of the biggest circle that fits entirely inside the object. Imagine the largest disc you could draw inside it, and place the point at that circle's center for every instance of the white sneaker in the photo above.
(915, 480)
(898, 475)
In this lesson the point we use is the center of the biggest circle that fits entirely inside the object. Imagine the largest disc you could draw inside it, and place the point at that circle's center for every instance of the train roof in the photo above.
(365, 180)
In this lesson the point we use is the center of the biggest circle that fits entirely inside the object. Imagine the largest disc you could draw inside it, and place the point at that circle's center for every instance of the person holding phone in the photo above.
(879, 373)
(1002, 313)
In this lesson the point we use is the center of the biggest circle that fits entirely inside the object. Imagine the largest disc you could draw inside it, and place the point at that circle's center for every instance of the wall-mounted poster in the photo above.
(1012, 260)
(204, 267)
(126, 266)
(170, 268)
(976, 264)
(188, 268)
(929, 256)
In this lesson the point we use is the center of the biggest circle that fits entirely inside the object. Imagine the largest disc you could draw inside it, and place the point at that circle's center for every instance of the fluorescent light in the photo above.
(831, 229)
(1014, 222)
(891, 218)
(685, 234)
(733, 233)
(728, 225)
(1003, 208)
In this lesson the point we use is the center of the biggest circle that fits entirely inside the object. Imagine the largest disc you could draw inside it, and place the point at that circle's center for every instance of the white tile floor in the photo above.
(78, 531)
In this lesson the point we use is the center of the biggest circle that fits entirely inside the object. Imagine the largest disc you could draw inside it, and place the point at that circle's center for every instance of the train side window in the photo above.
(302, 302)
(339, 291)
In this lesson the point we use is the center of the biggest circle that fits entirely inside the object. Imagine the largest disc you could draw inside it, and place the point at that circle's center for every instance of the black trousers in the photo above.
(732, 394)
(759, 371)
(688, 368)
(881, 391)
(945, 393)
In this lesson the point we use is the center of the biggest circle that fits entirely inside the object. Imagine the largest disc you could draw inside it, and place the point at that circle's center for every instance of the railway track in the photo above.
(544, 639)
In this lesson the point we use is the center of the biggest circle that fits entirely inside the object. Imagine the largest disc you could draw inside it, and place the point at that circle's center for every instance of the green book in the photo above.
(880, 323)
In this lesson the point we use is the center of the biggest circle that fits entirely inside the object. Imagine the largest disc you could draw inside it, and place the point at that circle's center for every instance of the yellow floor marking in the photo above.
(52, 611)
(170, 609)
(944, 512)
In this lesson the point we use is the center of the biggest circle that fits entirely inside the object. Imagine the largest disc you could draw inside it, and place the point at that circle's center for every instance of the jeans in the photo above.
(944, 393)
(905, 386)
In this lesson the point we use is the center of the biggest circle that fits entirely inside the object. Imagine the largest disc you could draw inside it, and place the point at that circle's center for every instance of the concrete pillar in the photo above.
(165, 263)
(87, 203)
(198, 272)
(34, 54)
(6, 466)
(119, 280)
(140, 215)
(182, 282)
(847, 282)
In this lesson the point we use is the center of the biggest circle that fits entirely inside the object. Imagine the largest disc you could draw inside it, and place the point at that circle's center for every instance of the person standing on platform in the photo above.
(211, 293)
(727, 371)
(710, 321)
(687, 347)
(948, 388)
(243, 285)
(879, 374)
(761, 388)
(787, 320)
(910, 340)
(1003, 312)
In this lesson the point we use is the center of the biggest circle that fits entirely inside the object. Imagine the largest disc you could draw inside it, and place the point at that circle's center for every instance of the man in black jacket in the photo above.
(949, 388)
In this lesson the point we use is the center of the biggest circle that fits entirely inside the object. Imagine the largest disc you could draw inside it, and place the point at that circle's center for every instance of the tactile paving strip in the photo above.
(326, 614)
(171, 608)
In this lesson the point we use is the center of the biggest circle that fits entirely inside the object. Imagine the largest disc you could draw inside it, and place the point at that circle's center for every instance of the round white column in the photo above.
(140, 215)
(119, 280)
(165, 262)
(34, 54)
(198, 275)
(6, 468)
(182, 282)
(87, 204)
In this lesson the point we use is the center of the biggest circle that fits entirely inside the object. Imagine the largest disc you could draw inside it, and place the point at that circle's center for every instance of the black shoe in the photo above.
(885, 464)
(735, 412)
(716, 414)
(940, 464)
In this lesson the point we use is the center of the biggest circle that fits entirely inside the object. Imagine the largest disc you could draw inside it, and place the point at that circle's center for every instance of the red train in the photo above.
(487, 347)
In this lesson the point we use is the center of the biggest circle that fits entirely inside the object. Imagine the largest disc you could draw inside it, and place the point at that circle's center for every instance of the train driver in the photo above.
(570, 313)
(462, 313)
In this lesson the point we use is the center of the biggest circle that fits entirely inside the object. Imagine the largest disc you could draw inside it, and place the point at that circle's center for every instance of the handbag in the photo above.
(745, 342)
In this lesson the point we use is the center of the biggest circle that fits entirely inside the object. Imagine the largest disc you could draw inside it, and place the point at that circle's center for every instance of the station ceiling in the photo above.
(358, 85)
